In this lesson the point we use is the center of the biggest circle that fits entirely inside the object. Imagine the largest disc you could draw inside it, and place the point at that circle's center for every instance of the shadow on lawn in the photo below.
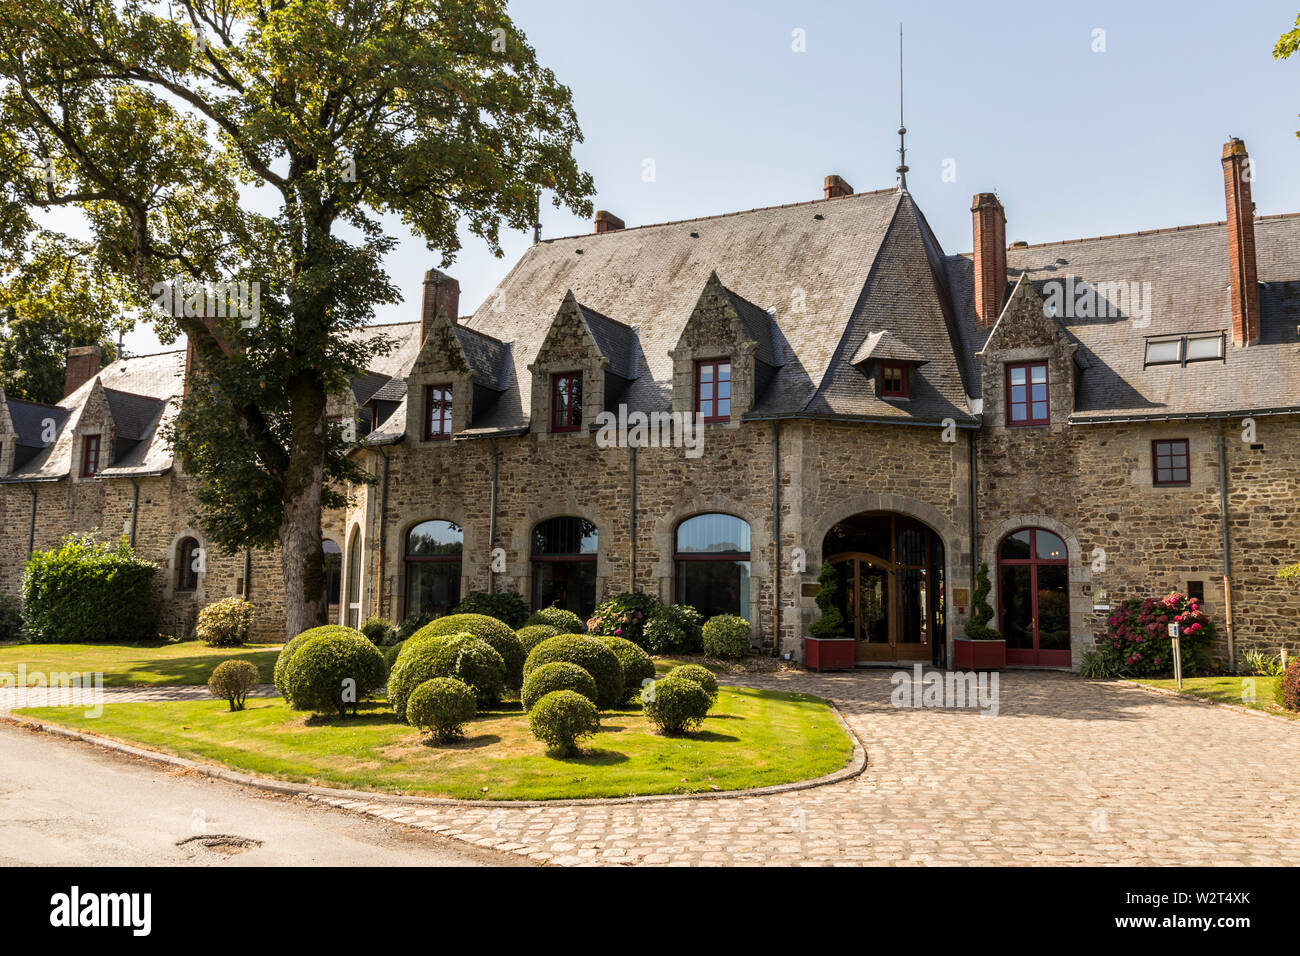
(197, 670)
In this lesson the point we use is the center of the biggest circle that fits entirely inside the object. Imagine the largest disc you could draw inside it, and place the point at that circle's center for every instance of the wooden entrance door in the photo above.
(1034, 598)
(886, 607)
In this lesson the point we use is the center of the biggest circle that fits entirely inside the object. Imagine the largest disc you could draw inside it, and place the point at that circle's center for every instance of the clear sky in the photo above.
(1075, 142)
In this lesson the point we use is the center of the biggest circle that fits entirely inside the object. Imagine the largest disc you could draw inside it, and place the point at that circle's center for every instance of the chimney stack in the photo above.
(608, 222)
(835, 186)
(990, 227)
(83, 365)
(441, 294)
(1242, 274)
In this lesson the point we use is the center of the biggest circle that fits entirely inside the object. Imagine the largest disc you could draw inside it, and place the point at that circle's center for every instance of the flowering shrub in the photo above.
(674, 629)
(1137, 641)
(225, 623)
(625, 616)
(1288, 687)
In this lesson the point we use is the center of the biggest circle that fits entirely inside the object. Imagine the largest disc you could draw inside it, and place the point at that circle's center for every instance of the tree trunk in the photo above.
(301, 555)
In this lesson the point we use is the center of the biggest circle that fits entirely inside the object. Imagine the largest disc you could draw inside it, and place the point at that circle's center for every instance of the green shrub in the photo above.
(1259, 664)
(830, 621)
(391, 652)
(11, 619)
(231, 681)
(412, 668)
(561, 718)
(1095, 665)
(727, 636)
(534, 634)
(499, 635)
(701, 675)
(977, 625)
(412, 624)
(566, 621)
(474, 661)
(331, 672)
(505, 606)
(674, 705)
(225, 623)
(291, 648)
(441, 706)
(378, 630)
(557, 675)
(624, 615)
(589, 654)
(673, 629)
(1288, 686)
(84, 591)
(637, 665)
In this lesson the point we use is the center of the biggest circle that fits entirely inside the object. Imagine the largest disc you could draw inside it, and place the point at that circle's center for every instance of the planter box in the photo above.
(828, 654)
(971, 655)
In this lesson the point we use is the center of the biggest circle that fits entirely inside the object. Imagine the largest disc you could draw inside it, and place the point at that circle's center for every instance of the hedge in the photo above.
(701, 675)
(442, 706)
(84, 591)
(558, 617)
(225, 623)
(638, 667)
(589, 654)
(498, 634)
(675, 704)
(291, 648)
(558, 675)
(562, 717)
(534, 634)
(727, 636)
(329, 673)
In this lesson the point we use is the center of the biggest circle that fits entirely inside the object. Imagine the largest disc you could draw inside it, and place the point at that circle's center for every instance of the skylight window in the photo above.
(1165, 353)
(1202, 347)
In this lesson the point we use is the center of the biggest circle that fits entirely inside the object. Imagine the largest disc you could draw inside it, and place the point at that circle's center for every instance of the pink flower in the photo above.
(618, 630)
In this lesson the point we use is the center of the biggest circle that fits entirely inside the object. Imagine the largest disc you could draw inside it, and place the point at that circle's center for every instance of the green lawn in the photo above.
(752, 738)
(1228, 689)
(129, 665)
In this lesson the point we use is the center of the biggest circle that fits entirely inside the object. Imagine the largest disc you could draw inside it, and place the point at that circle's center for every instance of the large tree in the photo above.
(260, 142)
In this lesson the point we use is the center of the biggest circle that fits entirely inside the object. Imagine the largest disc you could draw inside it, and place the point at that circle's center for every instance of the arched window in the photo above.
(712, 561)
(354, 580)
(433, 556)
(333, 572)
(564, 565)
(1034, 598)
(188, 562)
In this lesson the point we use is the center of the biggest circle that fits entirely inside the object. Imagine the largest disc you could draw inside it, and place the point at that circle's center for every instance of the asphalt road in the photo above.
(65, 803)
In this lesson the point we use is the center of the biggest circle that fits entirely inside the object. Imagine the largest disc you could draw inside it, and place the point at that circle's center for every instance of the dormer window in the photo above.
(1027, 402)
(894, 380)
(566, 402)
(90, 456)
(437, 412)
(713, 390)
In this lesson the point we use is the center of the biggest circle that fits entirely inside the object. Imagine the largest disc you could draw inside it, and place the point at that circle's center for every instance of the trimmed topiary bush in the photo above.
(1288, 686)
(637, 665)
(830, 621)
(231, 681)
(558, 675)
(331, 672)
(675, 705)
(701, 675)
(566, 621)
(589, 654)
(474, 661)
(499, 635)
(441, 706)
(505, 606)
(225, 623)
(561, 718)
(84, 591)
(534, 634)
(727, 636)
(391, 652)
(411, 669)
(291, 648)
(378, 630)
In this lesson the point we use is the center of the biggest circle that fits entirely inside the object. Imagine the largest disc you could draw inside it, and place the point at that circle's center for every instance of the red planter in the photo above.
(828, 653)
(971, 655)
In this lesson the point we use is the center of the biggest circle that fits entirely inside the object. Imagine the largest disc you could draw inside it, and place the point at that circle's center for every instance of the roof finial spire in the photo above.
(902, 130)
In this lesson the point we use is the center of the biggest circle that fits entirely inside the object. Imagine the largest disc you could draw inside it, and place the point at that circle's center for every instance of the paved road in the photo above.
(68, 803)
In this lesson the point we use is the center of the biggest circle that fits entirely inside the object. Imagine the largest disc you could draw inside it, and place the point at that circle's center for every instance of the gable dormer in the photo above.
(455, 381)
(726, 356)
(94, 437)
(890, 363)
(583, 367)
(1027, 366)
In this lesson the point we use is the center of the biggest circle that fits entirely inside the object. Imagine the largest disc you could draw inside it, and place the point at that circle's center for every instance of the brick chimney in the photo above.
(608, 222)
(441, 294)
(83, 365)
(989, 221)
(835, 186)
(1242, 274)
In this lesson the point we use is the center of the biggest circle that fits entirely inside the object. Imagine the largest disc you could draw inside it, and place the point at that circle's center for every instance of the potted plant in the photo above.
(828, 646)
(983, 648)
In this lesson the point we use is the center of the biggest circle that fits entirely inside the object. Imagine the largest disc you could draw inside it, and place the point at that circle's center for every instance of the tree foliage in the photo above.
(1287, 44)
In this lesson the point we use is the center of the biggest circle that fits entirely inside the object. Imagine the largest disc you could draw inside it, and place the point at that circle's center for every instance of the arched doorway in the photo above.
(1034, 598)
(563, 552)
(890, 570)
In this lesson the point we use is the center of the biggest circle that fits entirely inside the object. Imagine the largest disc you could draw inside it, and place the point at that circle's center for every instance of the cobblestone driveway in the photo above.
(1070, 771)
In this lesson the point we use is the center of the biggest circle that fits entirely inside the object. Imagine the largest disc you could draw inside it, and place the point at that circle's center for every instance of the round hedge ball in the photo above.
(727, 636)
(331, 672)
(498, 634)
(589, 654)
(474, 661)
(291, 648)
(566, 621)
(232, 680)
(675, 705)
(410, 671)
(562, 717)
(534, 634)
(638, 666)
(442, 706)
(701, 675)
(391, 652)
(558, 675)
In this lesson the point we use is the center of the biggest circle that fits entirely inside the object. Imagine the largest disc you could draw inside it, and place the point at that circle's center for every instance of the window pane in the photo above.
(1048, 546)
(566, 584)
(333, 571)
(433, 587)
(1016, 546)
(1164, 352)
(1053, 607)
(706, 373)
(724, 407)
(1040, 411)
(1018, 376)
(1038, 374)
(434, 539)
(564, 536)
(714, 587)
(1016, 591)
(713, 534)
(1206, 347)
(724, 371)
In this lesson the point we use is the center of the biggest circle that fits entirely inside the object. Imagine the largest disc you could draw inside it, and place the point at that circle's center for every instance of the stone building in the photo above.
(709, 409)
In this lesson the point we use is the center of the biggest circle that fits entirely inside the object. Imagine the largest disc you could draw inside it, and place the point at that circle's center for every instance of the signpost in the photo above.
(1178, 656)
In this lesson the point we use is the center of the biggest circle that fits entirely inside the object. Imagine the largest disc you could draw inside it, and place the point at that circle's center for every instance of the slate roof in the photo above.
(134, 415)
(365, 385)
(886, 346)
(489, 357)
(616, 341)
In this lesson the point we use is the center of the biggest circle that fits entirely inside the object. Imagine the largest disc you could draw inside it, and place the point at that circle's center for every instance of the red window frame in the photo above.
(568, 419)
(90, 456)
(1028, 402)
(707, 408)
(1178, 448)
(442, 395)
(899, 390)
